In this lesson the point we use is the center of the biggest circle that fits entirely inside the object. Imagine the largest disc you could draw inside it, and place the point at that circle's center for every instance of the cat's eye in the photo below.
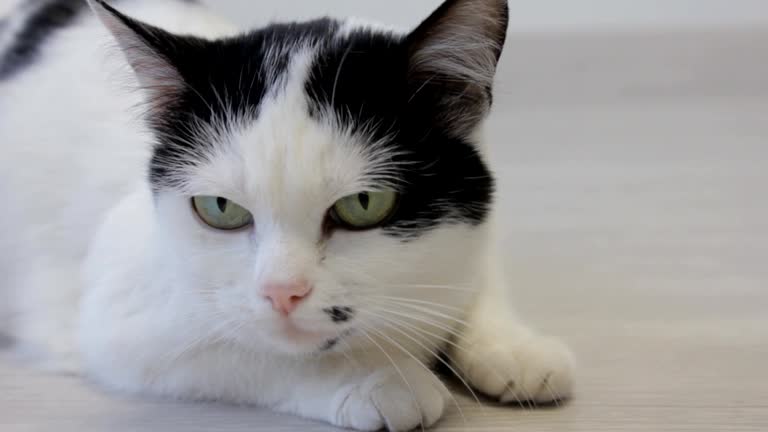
(221, 213)
(364, 210)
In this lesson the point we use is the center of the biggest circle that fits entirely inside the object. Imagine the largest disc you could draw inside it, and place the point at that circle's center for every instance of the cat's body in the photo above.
(50, 154)
(109, 272)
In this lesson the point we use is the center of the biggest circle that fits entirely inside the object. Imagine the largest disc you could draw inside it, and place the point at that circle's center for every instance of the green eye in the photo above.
(221, 213)
(364, 210)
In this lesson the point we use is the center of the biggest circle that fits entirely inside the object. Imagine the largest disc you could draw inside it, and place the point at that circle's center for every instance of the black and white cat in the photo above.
(299, 217)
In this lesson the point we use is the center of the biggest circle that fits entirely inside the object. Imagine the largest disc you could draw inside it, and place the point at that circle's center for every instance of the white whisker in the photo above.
(435, 355)
(424, 302)
(421, 363)
(431, 312)
(464, 350)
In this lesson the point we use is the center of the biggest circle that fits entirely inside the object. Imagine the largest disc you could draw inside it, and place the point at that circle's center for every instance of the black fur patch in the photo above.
(340, 314)
(330, 344)
(46, 18)
(41, 24)
(224, 77)
(334, 342)
(364, 80)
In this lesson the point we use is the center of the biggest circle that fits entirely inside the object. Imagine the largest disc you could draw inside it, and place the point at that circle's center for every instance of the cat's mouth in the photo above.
(290, 331)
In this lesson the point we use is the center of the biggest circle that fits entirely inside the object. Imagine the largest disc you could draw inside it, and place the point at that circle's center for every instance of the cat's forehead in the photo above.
(292, 150)
(279, 90)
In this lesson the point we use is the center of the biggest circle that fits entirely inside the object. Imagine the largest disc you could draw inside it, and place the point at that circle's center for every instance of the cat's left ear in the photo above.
(150, 51)
(453, 57)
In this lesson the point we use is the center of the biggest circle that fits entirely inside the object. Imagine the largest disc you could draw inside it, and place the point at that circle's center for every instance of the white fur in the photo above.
(131, 289)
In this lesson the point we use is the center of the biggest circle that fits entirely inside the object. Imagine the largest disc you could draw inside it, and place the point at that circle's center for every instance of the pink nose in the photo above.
(285, 297)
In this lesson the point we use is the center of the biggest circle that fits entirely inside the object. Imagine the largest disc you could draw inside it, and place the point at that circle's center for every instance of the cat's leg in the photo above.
(506, 360)
(394, 393)
(355, 390)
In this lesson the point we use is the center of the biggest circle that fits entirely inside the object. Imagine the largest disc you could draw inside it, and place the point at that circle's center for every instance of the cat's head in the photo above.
(318, 181)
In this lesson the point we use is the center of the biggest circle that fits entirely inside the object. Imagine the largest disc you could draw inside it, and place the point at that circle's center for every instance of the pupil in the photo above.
(364, 199)
(222, 204)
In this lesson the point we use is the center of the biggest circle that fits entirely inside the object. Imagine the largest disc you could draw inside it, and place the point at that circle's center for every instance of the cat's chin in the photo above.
(290, 331)
(289, 337)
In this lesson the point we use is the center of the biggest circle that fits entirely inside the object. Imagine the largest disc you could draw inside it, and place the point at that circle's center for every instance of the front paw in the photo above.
(397, 400)
(535, 369)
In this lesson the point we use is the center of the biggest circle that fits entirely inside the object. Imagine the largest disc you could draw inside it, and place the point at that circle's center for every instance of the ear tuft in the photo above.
(147, 50)
(456, 51)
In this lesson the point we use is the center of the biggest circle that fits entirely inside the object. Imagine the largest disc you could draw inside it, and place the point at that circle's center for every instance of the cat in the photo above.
(300, 217)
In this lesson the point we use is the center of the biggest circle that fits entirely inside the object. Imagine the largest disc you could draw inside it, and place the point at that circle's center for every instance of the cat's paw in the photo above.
(385, 400)
(537, 369)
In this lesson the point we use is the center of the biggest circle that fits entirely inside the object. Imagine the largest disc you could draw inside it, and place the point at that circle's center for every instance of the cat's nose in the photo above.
(286, 296)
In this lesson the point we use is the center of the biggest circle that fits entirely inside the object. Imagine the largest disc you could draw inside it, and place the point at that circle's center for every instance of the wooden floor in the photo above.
(634, 183)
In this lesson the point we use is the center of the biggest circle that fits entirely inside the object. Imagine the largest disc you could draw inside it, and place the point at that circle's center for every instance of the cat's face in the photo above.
(314, 179)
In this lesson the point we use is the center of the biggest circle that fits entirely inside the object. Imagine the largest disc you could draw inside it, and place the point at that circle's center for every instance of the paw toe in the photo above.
(388, 401)
(540, 370)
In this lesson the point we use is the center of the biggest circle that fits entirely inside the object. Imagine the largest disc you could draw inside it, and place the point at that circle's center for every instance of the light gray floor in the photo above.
(634, 184)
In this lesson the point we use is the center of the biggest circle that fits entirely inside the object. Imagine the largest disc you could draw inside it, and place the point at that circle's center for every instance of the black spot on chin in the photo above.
(333, 342)
(329, 344)
(340, 314)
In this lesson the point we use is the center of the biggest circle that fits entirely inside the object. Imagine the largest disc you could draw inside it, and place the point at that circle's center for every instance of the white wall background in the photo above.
(527, 15)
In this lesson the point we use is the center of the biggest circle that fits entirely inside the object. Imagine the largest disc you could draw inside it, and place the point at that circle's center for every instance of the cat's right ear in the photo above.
(453, 58)
(149, 51)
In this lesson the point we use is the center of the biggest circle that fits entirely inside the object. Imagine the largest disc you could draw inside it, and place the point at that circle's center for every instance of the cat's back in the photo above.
(68, 103)
(71, 138)
(33, 32)
(58, 63)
